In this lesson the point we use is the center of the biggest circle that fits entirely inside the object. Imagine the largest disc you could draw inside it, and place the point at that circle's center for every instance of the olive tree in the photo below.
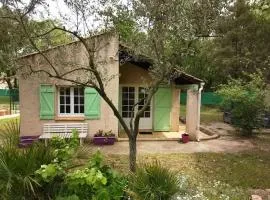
(159, 23)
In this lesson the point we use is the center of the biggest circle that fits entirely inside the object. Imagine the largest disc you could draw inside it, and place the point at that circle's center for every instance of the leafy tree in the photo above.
(244, 43)
(160, 22)
(13, 43)
(231, 40)
(246, 100)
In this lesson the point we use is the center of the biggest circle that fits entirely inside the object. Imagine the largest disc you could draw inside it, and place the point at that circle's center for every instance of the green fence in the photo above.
(9, 100)
(14, 94)
(208, 98)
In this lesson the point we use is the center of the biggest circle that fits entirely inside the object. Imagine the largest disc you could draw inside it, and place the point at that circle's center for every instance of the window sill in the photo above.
(69, 118)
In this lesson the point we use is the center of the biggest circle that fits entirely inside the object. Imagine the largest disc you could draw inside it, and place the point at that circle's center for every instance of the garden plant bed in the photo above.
(218, 173)
(104, 140)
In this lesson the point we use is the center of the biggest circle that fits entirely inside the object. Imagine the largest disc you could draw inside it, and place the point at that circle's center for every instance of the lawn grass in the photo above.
(4, 99)
(3, 121)
(208, 113)
(4, 102)
(212, 173)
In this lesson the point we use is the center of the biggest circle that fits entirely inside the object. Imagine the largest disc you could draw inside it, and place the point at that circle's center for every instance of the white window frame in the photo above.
(71, 103)
(136, 100)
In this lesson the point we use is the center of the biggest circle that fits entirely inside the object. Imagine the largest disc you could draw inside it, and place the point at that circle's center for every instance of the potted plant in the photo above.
(104, 138)
(185, 138)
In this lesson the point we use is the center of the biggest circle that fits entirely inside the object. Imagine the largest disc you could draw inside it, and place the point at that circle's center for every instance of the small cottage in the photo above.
(45, 101)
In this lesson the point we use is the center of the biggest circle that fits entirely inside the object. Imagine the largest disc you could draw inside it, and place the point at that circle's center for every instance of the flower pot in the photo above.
(185, 138)
(104, 140)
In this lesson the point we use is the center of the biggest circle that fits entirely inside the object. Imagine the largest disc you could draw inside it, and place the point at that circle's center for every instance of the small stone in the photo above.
(256, 197)
(268, 190)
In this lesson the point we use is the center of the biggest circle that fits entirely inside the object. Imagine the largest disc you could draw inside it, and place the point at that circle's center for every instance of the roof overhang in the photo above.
(179, 77)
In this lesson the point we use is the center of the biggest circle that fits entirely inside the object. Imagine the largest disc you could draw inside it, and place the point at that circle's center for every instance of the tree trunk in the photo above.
(132, 153)
(8, 81)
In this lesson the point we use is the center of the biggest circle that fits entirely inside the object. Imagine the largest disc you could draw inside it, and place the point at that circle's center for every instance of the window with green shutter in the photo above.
(70, 101)
(91, 103)
(46, 101)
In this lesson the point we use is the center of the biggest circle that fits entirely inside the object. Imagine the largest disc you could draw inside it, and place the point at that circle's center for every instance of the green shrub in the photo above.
(65, 149)
(246, 101)
(51, 176)
(152, 182)
(10, 132)
(72, 197)
(96, 181)
(18, 166)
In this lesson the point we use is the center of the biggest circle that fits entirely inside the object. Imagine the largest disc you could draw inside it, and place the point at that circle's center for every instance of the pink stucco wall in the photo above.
(65, 58)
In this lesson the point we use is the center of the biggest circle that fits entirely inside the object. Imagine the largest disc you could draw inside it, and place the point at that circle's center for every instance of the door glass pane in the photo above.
(128, 100)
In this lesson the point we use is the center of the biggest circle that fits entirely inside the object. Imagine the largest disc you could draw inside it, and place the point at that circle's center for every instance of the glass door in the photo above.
(131, 95)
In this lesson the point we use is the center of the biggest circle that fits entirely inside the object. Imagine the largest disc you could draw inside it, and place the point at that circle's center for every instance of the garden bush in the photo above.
(246, 102)
(18, 166)
(152, 181)
(94, 181)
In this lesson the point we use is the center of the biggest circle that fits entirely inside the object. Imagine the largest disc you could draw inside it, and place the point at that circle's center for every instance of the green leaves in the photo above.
(152, 181)
(48, 172)
(18, 166)
(95, 182)
(65, 148)
(246, 101)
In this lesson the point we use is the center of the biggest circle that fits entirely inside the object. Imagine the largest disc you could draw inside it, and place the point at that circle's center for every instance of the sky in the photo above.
(70, 17)
(57, 9)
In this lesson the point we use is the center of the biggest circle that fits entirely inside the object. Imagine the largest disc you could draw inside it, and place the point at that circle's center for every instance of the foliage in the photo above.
(246, 101)
(232, 39)
(51, 39)
(210, 174)
(72, 197)
(9, 133)
(95, 181)
(65, 148)
(14, 43)
(102, 133)
(17, 166)
(152, 181)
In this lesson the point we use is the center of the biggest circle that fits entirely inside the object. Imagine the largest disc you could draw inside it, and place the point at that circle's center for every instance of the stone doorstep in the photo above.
(256, 197)
(260, 194)
(149, 139)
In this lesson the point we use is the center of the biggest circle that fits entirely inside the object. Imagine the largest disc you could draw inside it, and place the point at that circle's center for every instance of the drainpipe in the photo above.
(199, 105)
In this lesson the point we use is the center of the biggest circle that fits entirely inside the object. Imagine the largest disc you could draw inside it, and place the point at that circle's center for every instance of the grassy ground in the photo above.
(213, 173)
(3, 121)
(4, 102)
(208, 114)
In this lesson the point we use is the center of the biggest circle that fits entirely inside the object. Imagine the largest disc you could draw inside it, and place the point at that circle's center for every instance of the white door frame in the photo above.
(146, 123)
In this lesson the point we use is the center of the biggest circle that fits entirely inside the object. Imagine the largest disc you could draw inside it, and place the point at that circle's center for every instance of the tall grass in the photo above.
(17, 166)
(9, 133)
(153, 182)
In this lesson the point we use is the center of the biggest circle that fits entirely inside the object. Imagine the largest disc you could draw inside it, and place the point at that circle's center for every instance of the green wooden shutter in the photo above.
(46, 98)
(162, 109)
(91, 103)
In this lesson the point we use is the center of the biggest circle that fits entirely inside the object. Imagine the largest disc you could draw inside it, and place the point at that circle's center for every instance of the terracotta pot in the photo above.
(185, 138)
